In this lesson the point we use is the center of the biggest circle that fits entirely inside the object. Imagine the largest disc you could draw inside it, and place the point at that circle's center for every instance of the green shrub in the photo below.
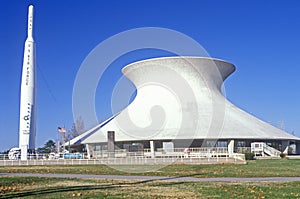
(249, 156)
(283, 155)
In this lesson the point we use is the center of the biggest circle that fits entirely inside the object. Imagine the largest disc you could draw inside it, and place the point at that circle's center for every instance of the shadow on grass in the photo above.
(86, 188)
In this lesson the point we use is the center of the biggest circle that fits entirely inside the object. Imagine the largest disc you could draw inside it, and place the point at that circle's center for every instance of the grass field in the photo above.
(33, 187)
(255, 168)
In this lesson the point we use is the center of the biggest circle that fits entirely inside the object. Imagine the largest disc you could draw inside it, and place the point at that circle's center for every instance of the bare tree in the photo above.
(77, 128)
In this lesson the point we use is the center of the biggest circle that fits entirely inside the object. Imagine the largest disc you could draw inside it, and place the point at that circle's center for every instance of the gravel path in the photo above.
(155, 178)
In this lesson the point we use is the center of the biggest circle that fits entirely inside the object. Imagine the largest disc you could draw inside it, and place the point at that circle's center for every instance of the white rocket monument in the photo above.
(27, 126)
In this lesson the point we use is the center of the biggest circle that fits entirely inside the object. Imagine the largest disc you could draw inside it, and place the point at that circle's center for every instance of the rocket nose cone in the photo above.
(30, 10)
(30, 21)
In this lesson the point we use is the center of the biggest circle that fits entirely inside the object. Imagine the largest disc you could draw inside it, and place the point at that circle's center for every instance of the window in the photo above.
(241, 144)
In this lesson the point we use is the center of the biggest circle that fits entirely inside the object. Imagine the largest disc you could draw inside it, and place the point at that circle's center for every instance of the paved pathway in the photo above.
(155, 178)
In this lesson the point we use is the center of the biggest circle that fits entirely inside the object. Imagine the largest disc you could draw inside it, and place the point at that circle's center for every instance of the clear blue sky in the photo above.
(260, 37)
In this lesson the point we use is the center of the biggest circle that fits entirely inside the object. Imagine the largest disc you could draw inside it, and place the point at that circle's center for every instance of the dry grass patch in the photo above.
(79, 188)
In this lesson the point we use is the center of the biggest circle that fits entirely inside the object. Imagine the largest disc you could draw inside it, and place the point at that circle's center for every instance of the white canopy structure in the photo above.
(180, 99)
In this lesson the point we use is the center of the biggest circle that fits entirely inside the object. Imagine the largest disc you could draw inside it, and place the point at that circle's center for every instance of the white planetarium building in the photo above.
(180, 104)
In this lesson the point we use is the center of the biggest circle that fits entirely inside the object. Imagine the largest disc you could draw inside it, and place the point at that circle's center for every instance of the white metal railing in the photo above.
(46, 156)
(125, 161)
(239, 156)
(160, 152)
(194, 150)
(262, 149)
(243, 149)
(272, 151)
(176, 153)
(205, 157)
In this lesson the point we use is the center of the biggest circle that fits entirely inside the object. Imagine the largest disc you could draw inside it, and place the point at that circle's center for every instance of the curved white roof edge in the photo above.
(78, 139)
(173, 57)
